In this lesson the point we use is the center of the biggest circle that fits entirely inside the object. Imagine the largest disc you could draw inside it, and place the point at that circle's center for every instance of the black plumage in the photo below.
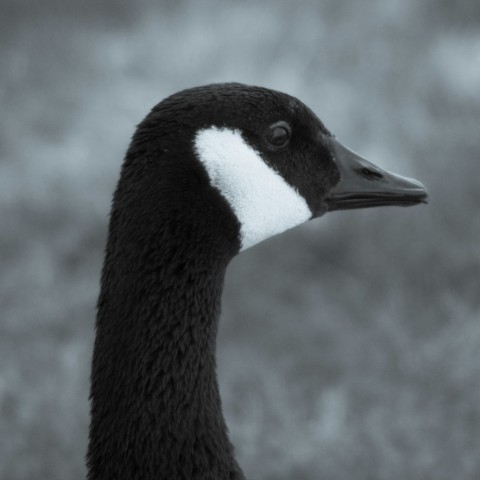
(155, 404)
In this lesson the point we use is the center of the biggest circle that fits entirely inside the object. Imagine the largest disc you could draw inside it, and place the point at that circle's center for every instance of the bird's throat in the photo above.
(155, 404)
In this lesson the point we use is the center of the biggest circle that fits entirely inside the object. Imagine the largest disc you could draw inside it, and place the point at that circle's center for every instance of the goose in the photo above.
(210, 172)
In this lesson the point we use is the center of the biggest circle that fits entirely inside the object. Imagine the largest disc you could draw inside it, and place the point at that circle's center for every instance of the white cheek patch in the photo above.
(264, 203)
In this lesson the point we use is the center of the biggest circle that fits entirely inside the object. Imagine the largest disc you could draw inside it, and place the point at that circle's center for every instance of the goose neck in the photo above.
(155, 403)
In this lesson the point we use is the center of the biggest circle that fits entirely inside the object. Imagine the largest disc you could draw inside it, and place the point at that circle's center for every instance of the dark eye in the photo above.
(278, 134)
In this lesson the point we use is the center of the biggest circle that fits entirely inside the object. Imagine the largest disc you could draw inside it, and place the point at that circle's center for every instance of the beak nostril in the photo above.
(369, 174)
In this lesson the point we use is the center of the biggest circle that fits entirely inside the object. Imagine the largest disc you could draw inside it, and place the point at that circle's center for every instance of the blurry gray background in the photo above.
(349, 347)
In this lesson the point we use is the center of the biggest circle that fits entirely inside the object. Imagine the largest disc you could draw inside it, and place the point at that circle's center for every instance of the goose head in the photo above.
(210, 172)
(268, 158)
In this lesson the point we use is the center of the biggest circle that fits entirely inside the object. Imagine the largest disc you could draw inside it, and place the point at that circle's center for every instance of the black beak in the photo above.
(363, 184)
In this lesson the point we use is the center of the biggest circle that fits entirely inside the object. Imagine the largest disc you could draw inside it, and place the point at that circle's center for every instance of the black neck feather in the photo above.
(155, 404)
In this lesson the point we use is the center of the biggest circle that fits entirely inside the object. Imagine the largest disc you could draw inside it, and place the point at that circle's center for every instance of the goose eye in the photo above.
(278, 135)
